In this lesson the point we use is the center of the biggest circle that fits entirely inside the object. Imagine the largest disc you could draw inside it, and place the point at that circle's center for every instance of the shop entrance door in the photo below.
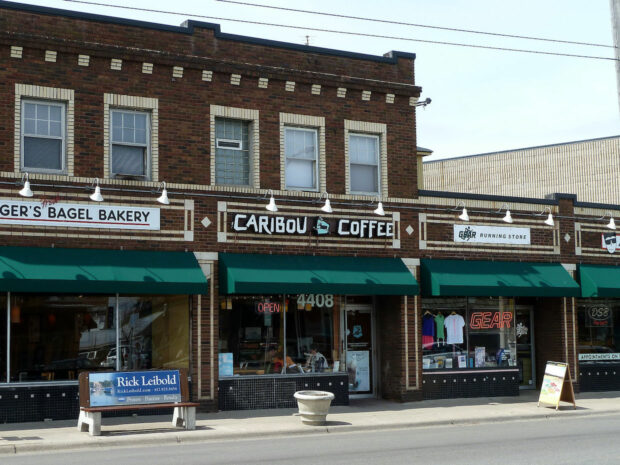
(359, 337)
(525, 348)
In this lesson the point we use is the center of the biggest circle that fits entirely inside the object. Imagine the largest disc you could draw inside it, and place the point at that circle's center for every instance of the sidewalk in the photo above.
(361, 415)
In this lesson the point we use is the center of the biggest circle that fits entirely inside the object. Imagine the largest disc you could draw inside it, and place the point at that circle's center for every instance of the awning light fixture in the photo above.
(507, 217)
(271, 206)
(25, 191)
(327, 207)
(163, 198)
(96, 196)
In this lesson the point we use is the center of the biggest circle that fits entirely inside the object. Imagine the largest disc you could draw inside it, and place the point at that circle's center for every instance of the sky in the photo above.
(482, 100)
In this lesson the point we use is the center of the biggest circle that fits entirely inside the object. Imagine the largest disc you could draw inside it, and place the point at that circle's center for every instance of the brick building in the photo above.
(182, 198)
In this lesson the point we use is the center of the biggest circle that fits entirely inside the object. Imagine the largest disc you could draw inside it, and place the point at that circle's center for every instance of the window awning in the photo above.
(95, 271)
(494, 279)
(304, 274)
(599, 280)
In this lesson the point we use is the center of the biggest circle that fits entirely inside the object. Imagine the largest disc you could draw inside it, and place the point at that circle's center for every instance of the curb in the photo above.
(302, 430)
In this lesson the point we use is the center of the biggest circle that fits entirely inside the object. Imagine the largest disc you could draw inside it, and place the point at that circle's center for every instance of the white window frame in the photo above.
(244, 114)
(147, 145)
(45, 95)
(373, 129)
(378, 164)
(314, 131)
(240, 148)
(63, 138)
(139, 104)
(316, 123)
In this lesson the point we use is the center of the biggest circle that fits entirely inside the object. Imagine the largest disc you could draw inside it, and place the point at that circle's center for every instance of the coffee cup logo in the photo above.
(611, 242)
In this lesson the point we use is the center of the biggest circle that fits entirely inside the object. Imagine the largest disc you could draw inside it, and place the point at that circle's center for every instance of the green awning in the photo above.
(599, 280)
(494, 279)
(95, 271)
(304, 274)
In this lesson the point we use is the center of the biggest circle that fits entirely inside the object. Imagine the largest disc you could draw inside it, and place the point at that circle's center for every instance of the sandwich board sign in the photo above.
(556, 386)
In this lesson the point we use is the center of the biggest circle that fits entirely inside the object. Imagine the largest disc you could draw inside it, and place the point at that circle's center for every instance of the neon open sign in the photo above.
(490, 320)
(268, 307)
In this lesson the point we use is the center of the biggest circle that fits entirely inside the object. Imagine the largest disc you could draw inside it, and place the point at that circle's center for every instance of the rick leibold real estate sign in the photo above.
(59, 214)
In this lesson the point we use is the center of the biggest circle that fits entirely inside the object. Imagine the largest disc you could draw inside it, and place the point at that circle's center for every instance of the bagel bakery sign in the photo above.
(304, 225)
(52, 213)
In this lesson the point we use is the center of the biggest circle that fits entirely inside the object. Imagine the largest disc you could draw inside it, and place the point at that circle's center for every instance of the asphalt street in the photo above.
(574, 441)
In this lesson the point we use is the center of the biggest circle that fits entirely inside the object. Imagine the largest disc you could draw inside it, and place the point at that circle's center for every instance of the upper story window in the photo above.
(364, 163)
(130, 154)
(301, 153)
(131, 137)
(366, 158)
(43, 136)
(232, 152)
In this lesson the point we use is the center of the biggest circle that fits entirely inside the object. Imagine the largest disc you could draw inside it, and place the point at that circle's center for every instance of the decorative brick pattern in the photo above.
(177, 71)
(263, 83)
(207, 76)
(389, 98)
(316, 89)
(366, 95)
(16, 51)
(235, 79)
(50, 55)
(83, 60)
(147, 68)
(116, 64)
(341, 92)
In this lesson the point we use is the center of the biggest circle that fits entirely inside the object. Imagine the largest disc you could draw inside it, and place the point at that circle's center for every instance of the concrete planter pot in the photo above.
(313, 406)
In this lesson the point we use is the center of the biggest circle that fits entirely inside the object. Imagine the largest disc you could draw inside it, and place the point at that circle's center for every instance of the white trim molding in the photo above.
(304, 121)
(66, 96)
(377, 129)
(245, 114)
(132, 103)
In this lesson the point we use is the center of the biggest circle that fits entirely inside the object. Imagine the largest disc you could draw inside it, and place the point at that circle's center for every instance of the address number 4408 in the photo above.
(316, 300)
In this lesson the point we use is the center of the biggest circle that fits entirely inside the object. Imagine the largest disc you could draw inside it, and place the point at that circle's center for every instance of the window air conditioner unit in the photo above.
(229, 144)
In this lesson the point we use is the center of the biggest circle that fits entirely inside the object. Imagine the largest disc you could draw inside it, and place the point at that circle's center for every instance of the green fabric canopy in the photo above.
(599, 280)
(297, 274)
(494, 279)
(95, 271)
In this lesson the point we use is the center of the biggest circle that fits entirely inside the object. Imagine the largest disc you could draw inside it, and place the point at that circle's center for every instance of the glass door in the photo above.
(359, 347)
(525, 348)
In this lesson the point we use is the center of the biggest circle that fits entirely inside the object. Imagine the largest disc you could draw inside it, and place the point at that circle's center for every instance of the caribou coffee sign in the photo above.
(59, 214)
(301, 226)
(610, 241)
(491, 234)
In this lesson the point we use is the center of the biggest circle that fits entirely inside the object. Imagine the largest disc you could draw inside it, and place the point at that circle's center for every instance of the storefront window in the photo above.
(154, 332)
(599, 330)
(54, 338)
(253, 331)
(460, 333)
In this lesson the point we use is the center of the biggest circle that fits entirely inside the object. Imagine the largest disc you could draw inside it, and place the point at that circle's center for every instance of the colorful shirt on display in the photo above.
(439, 319)
(454, 325)
(428, 325)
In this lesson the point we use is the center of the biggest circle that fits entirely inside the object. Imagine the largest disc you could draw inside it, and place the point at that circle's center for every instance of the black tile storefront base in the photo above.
(599, 377)
(454, 384)
(276, 391)
(55, 402)
(37, 403)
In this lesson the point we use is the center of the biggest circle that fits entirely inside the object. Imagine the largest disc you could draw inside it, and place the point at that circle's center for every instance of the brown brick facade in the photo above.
(424, 220)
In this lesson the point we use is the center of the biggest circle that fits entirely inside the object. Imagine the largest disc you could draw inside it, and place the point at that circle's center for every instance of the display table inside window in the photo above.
(280, 335)
(468, 333)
